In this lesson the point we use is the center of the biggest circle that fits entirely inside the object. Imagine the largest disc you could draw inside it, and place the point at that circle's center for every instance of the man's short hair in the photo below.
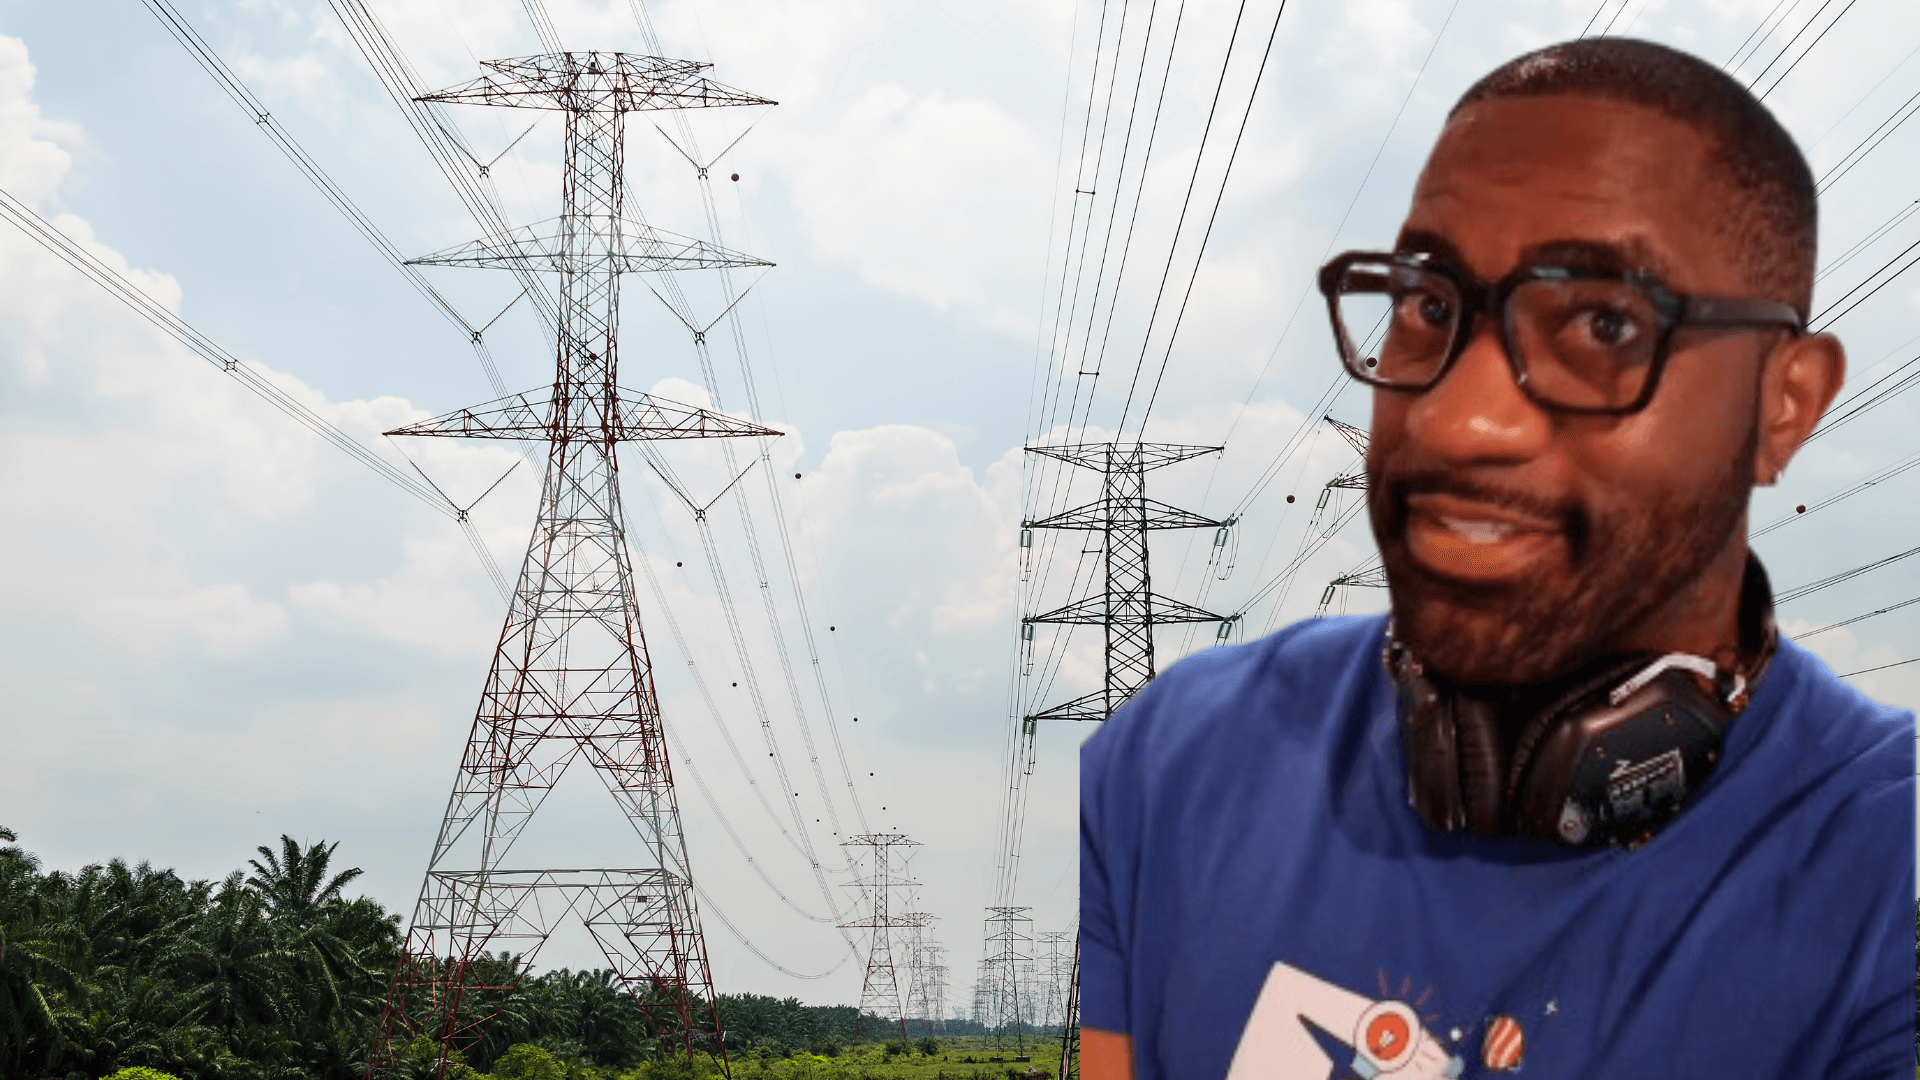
(1774, 218)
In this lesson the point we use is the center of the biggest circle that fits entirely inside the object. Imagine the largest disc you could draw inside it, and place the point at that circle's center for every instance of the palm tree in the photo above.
(294, 883)
(42, 952)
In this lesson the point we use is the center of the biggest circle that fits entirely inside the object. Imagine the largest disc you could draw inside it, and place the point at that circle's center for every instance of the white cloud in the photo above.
(224, 617)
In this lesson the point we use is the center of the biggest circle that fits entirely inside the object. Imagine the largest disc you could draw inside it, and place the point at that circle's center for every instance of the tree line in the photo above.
(273, 973)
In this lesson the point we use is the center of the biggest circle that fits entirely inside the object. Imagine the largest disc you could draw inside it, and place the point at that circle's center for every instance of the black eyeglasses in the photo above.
(1578, 341)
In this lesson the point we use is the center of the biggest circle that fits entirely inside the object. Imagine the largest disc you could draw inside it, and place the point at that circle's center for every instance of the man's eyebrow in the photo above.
(1632, 253)
(1420, 242)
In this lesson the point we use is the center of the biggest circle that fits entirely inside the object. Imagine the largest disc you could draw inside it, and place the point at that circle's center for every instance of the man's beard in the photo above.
(1619, 568)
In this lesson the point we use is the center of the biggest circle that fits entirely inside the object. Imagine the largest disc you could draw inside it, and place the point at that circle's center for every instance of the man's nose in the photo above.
(1477, 412)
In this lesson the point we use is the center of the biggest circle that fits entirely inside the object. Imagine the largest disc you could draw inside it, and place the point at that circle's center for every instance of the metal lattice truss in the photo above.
(1127, 607)
(630, 247)
(596, 82)
(1006, 1007)
(625, 910)
(633, 417)
(571, 680)
(883, 993)
(1356, 438)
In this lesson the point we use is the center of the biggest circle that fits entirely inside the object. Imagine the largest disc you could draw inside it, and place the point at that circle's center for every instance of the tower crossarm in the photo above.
(1356, 437)
(1375, 578)
(1138, 513)
(596, 82)
(638, 417)
(1101, 608)
(632, 247)
(906, 919)
(1094, 706)
(1123, 456)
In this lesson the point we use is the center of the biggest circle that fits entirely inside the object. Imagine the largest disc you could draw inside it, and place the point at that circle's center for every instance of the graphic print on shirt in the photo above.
(1303, 1027)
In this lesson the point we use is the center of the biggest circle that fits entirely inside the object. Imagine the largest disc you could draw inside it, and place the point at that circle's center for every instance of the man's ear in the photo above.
(1797, 383)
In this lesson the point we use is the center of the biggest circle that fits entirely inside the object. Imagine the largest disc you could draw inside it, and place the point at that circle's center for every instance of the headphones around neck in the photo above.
(1610, 760)
(1620, 747)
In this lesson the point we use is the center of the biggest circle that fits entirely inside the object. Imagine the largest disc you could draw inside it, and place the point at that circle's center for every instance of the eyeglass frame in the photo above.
(1674, 310)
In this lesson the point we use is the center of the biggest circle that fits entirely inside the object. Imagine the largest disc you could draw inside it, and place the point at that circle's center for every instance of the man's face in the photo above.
(1521, 542)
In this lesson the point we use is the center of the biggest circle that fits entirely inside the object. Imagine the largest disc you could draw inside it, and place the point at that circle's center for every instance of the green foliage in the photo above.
(525, 1061)
(130, 973)
(141, 1072)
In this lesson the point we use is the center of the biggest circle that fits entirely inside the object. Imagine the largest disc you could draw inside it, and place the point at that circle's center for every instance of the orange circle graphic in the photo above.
(1388, 1035)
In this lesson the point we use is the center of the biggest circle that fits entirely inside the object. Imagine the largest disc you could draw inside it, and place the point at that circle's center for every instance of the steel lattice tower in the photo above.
(1070, 1032)
(1003, 964)
(936, 988)
(1127, 608)
(918, 998)
(570, 678)
(1051, 1010)
(881, 992)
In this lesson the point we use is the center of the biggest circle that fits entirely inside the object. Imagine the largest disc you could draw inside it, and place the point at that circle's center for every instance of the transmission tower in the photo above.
(1127, 608)
(1003, 960)
(1070, 1031)
(571, 679)
(1052, 1006)
(1368, 576)
(919, 998)
(881, 993)
(937, 986)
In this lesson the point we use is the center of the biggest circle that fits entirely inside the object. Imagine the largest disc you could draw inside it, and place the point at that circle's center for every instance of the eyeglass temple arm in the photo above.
(1712, 311)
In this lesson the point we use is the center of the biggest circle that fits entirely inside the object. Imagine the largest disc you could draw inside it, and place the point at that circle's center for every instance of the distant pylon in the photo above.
(1070, 1031)
(570, 678)
(1052, 1006)
(1004, 959)
(881, 993)
(918, 996)
(937, 987)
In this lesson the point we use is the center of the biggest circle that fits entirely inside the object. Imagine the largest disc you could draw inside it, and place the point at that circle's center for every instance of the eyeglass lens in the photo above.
(1582, 343)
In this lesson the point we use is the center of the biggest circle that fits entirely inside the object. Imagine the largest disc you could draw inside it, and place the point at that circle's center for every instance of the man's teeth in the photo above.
(1478, 531)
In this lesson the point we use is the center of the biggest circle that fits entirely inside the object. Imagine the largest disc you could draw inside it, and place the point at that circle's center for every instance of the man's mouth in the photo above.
(1475, 541)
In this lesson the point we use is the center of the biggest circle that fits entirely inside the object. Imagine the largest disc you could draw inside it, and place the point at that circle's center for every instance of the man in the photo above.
(1576, 807)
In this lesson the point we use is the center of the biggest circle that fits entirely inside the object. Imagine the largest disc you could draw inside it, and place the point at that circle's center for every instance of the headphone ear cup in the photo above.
(1433, 758)
(1584, 691)
(1482, 757)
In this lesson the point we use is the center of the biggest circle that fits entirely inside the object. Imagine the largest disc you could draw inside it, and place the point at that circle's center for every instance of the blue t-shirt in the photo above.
(1257, 896)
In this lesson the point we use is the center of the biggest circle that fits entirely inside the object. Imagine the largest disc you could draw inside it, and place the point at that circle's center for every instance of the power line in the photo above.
(1844, 575)
(1212, 217)
(1856, 618)
(1803, 54)
(1882, 667)
(17, 214)
(1808, 508)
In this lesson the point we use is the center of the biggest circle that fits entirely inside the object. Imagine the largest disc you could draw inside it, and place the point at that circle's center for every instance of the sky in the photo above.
(220, 629)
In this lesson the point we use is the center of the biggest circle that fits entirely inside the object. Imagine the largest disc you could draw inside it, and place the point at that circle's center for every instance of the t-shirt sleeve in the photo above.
(1878, 1042)
(1103, 954)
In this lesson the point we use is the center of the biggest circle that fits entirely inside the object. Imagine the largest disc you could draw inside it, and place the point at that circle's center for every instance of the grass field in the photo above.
(958, 1058)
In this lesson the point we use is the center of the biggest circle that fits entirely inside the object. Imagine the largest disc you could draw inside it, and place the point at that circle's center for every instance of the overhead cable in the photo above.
(18, 215)
(1856, 618)
(1809, 508)
(1803, 52)
(1253, 95)
(183, 32)
(1900, 115)
(1844, 575)
(1882, 667)
(1757, 32)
